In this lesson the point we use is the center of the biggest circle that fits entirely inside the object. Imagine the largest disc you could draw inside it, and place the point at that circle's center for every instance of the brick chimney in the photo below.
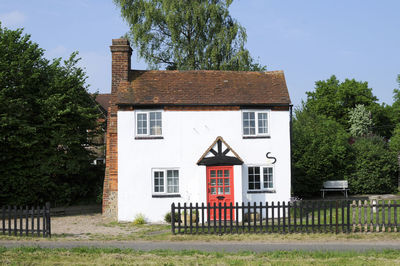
(121, 64)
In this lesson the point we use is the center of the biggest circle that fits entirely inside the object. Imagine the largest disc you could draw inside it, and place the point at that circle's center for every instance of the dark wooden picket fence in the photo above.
(327, 216)
(19, 221)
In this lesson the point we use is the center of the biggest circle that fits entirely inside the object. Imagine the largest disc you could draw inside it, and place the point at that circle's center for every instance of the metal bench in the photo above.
(335, 185)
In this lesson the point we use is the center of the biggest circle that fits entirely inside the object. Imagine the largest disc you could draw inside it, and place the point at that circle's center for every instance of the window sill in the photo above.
(167, 196)
(150, 137)
(261, 191)
(256, 137)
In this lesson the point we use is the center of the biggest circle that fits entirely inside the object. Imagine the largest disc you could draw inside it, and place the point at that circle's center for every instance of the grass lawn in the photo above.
(105, 256)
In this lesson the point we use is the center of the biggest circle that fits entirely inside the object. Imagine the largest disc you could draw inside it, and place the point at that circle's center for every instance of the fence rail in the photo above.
(326, 216)
(19, 221)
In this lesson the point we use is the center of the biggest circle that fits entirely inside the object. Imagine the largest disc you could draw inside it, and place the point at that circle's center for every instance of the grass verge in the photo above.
(110, 256)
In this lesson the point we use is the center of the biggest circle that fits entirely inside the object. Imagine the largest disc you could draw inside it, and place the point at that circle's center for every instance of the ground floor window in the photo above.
(165, 181)
(261, 177)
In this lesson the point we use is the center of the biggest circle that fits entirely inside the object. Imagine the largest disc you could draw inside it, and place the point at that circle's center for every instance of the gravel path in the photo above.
(80, 225)
(216, 246)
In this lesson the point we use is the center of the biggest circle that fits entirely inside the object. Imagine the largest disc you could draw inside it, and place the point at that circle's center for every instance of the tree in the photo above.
(375, 167)
(46, 119)
(335, 99)
(184, 35)
(320, 152)
(360, 121)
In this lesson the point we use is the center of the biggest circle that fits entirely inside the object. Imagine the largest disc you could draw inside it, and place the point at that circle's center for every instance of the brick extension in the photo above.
(121, 65)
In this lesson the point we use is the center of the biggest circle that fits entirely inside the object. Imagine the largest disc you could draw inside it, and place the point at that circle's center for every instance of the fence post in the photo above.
(301, 216)
(38, 220)
(26, 220)
(261, 215)
(15, 220)
(184, 218)
(219, 218)
(3, 219)
(383, 216)
(32, 221)
(354, 205)
(215, 217)
(319, 216)
(294, 216)
(289, 207)
(343, 204)
(231, 216)
(179, 218)
(365, 216)
(307, 205)
(389, 217)
(273, 217)
(359, 214)
(248, 217)
(190, 218)
(224, 217)
(284, 216)
(197, 214)
(243, 217)
(255, 216)
(395, 216)
(266, 217)
(202, 217)
(337, 215)
(173, 218)
(348, 216)
(48, 219)
(237, 217)
(209, 217)
(330, 216)
(377, 216)
(324, 206)
(371, 216)
(312, 216)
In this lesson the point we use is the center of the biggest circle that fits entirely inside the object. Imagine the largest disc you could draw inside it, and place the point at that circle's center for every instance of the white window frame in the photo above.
(262, 188)
(147, 113)
(164, 170)
(256, 112)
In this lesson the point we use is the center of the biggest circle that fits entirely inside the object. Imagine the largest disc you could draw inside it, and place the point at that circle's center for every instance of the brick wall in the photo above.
(121, 64)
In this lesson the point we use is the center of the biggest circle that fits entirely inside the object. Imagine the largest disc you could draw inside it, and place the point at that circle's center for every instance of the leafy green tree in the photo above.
(360, 121)
(320, 152)
(181, 34)
(46, 119)
(395, 140)
(335, 99)
(375, 167)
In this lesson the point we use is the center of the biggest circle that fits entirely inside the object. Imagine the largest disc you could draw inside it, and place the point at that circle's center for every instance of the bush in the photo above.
(139, 219)
(375, 167)
(167, 217)
(320, 152)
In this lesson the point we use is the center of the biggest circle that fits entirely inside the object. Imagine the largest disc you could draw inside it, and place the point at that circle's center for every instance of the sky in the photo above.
(309, 40)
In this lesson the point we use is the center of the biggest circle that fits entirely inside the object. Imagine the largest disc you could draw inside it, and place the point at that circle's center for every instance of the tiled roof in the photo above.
(204, 87)
(104, 100)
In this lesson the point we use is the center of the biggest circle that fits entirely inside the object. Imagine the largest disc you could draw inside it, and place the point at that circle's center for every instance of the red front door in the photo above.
(220, 189)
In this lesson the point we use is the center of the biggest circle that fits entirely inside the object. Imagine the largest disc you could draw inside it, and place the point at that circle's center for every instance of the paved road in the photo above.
(212, 246)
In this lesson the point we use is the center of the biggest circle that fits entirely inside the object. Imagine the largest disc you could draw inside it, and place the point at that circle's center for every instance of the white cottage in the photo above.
(194, 136)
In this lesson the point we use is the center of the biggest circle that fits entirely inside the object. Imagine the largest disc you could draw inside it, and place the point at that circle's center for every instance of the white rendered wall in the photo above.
(187, 135)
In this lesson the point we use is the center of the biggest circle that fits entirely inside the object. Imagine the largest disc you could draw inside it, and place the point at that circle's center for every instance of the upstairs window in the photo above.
(149, 123)
(255, 123)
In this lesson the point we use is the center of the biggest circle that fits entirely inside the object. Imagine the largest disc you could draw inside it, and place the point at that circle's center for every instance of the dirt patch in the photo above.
(82, 226)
